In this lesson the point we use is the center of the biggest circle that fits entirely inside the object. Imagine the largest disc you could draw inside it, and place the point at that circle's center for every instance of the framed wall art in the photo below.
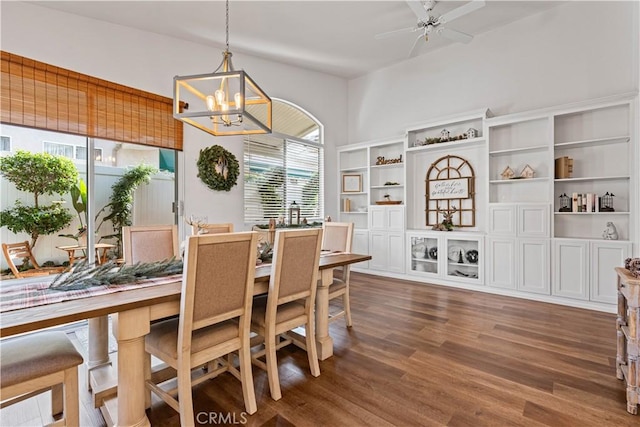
(351, 183)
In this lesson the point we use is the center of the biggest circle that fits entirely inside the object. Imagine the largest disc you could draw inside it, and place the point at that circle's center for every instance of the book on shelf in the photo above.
(347, 205)
(574, 202)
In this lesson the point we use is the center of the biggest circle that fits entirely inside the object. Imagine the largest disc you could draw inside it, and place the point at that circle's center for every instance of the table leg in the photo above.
(323, 340)
(130, 327)
(98, 351)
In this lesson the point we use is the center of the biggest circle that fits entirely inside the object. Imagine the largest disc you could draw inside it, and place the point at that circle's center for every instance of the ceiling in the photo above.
(335, 37)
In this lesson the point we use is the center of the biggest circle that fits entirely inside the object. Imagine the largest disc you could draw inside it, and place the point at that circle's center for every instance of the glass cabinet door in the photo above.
(463, 258)
(424, 254)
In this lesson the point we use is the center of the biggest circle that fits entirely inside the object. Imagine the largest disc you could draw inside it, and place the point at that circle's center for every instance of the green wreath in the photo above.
(218, 168)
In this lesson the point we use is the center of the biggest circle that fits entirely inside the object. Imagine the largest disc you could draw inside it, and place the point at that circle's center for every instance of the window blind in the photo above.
(279, 171)
(44, 96)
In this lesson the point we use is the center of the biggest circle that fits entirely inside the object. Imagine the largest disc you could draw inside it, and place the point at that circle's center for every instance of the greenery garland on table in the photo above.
(84, 275)
(218, 168)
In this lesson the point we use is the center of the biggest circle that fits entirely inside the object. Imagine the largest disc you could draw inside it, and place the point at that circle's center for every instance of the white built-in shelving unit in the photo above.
(521, 243)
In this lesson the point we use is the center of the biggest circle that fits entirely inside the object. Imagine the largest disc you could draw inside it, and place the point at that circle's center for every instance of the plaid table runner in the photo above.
(34, 294)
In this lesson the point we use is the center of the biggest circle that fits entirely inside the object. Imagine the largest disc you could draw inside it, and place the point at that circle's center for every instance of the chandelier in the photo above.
(225, 102)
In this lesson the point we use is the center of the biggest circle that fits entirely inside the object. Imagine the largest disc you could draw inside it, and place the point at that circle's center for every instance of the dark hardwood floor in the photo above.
(423, 355)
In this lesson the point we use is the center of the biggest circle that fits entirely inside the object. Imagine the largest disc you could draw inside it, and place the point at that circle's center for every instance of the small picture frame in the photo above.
(351, 183)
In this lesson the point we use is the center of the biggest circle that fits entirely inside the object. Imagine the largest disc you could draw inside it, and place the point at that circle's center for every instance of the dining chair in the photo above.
(22, 250)
(289, 302)
(211, 228)
(149, 243)
(36, 363)
(214, 321)
(338, 237)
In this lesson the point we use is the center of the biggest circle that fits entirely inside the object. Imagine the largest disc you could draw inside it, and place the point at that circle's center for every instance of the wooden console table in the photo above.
(628, 334)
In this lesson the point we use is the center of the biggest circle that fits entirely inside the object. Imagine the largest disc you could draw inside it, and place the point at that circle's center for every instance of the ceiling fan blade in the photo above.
(455, 35)
(395, 32)
(414, 48)
(462, 10)
(419, 10)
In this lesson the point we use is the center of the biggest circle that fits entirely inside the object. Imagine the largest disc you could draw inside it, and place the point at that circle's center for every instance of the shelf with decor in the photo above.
(448, 132)
(465, 147)
(449, 145)
(450, 256)
(594, 159)
(353, 185)
(386, 167)
(518, 159)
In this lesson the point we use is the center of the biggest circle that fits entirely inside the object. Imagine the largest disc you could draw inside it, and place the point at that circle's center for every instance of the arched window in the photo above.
(285, 166)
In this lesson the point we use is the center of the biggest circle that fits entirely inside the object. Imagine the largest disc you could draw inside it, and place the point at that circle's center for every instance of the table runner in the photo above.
(34, 294)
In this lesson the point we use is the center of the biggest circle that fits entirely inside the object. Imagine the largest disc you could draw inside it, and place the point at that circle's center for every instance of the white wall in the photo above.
(149, 62)
(574, 52)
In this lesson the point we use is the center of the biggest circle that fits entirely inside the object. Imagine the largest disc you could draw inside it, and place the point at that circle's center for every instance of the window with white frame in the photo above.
(81, 153)
(5, 143)
(284, 167)
(58, 149)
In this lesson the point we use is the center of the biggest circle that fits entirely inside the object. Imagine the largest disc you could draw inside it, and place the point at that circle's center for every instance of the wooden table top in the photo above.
(44, 316)
(78, 247)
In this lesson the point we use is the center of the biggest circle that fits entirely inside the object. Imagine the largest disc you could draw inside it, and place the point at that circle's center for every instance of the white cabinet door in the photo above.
(386, 218)
(378, 245)
(502, 219)
(360, 246)
(395, 218)
(570, 270)
(533, 265)
(378, 218)
(501, 262)
(395, 251)
(533, 220)
(387, 251)
(605, 256)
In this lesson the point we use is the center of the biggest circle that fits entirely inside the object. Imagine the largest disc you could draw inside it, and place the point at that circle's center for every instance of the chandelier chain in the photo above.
(227, 34)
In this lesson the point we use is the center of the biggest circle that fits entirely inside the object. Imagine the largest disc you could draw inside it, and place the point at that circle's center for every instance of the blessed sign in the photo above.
(457, 188)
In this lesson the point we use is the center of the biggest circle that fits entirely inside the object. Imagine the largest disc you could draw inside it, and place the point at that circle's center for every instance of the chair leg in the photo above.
(57, 400)
(246, 377)
(272, 366)
(347, 309)
(312, 352)
(185, 397)
(71, 397)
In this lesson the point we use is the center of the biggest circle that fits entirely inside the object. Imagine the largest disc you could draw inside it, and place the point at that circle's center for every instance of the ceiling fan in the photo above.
(429, 24)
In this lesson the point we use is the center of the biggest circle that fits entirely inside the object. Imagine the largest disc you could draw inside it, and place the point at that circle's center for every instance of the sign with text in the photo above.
(444, 189)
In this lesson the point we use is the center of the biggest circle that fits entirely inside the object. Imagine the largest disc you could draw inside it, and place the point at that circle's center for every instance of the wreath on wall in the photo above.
(218, 168)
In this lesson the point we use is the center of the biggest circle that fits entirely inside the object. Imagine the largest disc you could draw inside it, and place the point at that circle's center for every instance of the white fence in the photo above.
(152, 205)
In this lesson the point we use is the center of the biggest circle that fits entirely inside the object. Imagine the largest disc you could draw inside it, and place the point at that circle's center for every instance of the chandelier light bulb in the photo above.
(238, 99)
(220, 97)
(211, 102)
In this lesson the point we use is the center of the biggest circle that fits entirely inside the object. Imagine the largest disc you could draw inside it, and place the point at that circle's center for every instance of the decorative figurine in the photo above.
(507, 173)
(565, 203)
(447, 220)
(606, 202)
(444, 135)
(294, 213)
(527, 172)
(472, 133)
(610, 233)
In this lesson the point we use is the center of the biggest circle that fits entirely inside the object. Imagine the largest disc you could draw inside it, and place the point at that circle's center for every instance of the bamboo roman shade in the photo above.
(43, 96)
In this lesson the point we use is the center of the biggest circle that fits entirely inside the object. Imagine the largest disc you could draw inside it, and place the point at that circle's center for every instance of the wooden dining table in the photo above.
(134, 310)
